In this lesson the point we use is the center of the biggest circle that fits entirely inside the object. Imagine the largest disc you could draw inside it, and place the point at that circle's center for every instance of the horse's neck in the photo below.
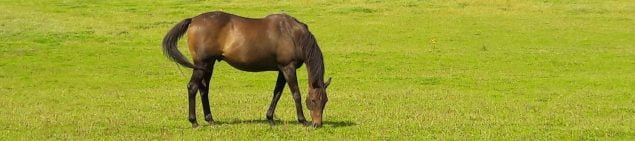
(315, 66)
(315, 76)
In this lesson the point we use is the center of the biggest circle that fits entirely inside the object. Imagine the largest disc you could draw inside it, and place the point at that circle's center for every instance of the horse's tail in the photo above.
(171, 39)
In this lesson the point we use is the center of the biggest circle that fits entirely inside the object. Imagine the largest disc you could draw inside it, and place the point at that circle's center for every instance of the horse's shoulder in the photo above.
(278, 16)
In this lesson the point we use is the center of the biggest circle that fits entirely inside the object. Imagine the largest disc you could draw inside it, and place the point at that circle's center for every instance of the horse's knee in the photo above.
(192, 87)
(204, 84)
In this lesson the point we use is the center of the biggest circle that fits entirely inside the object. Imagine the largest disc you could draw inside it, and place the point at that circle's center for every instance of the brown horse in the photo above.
(277, 42)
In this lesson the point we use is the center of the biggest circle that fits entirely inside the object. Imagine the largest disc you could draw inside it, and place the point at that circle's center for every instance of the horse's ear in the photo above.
(327, 83)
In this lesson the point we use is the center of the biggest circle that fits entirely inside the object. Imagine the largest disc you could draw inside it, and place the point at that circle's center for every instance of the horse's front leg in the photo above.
(292, 80)
(277, 92)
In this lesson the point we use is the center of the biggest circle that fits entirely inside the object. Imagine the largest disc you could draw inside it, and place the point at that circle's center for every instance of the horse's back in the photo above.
(246, 43)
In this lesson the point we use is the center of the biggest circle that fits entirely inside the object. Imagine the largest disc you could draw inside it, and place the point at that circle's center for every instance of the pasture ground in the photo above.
(407, 69)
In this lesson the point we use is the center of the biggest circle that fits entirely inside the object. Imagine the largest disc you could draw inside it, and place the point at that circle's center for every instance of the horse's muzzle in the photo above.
(316, 116)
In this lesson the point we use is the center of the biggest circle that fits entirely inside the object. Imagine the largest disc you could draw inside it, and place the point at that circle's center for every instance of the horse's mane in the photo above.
(313, 59)
(312, 53)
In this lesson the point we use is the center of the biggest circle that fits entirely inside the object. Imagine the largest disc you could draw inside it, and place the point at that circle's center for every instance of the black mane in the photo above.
(313, 59)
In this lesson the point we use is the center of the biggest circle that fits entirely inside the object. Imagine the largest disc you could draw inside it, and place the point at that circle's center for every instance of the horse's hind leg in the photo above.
(292, 80)
(204, 88)
(277, 92)
(193, 86)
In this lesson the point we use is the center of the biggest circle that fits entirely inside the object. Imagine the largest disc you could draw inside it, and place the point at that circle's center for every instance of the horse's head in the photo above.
(317, 101)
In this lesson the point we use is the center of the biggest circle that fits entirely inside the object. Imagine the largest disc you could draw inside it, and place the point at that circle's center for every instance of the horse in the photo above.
(277, 42)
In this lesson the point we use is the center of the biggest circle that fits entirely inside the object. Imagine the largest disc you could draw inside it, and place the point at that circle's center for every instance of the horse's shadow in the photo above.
(280, 122)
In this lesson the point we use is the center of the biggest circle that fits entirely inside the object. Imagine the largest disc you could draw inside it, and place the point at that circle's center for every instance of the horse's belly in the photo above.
(252, 65)
(250, 56)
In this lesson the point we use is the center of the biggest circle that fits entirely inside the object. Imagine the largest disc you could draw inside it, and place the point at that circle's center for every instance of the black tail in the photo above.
(171, 39)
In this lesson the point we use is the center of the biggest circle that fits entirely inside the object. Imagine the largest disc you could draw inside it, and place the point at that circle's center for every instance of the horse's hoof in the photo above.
(195, 125)
(209, 118)
(314, 125)
(305, 123)
(211, 123)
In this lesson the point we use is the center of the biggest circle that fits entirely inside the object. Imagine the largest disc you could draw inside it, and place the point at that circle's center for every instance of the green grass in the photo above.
(436, 69)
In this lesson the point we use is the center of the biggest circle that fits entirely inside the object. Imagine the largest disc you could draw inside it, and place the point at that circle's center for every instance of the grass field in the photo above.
(434, 69)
